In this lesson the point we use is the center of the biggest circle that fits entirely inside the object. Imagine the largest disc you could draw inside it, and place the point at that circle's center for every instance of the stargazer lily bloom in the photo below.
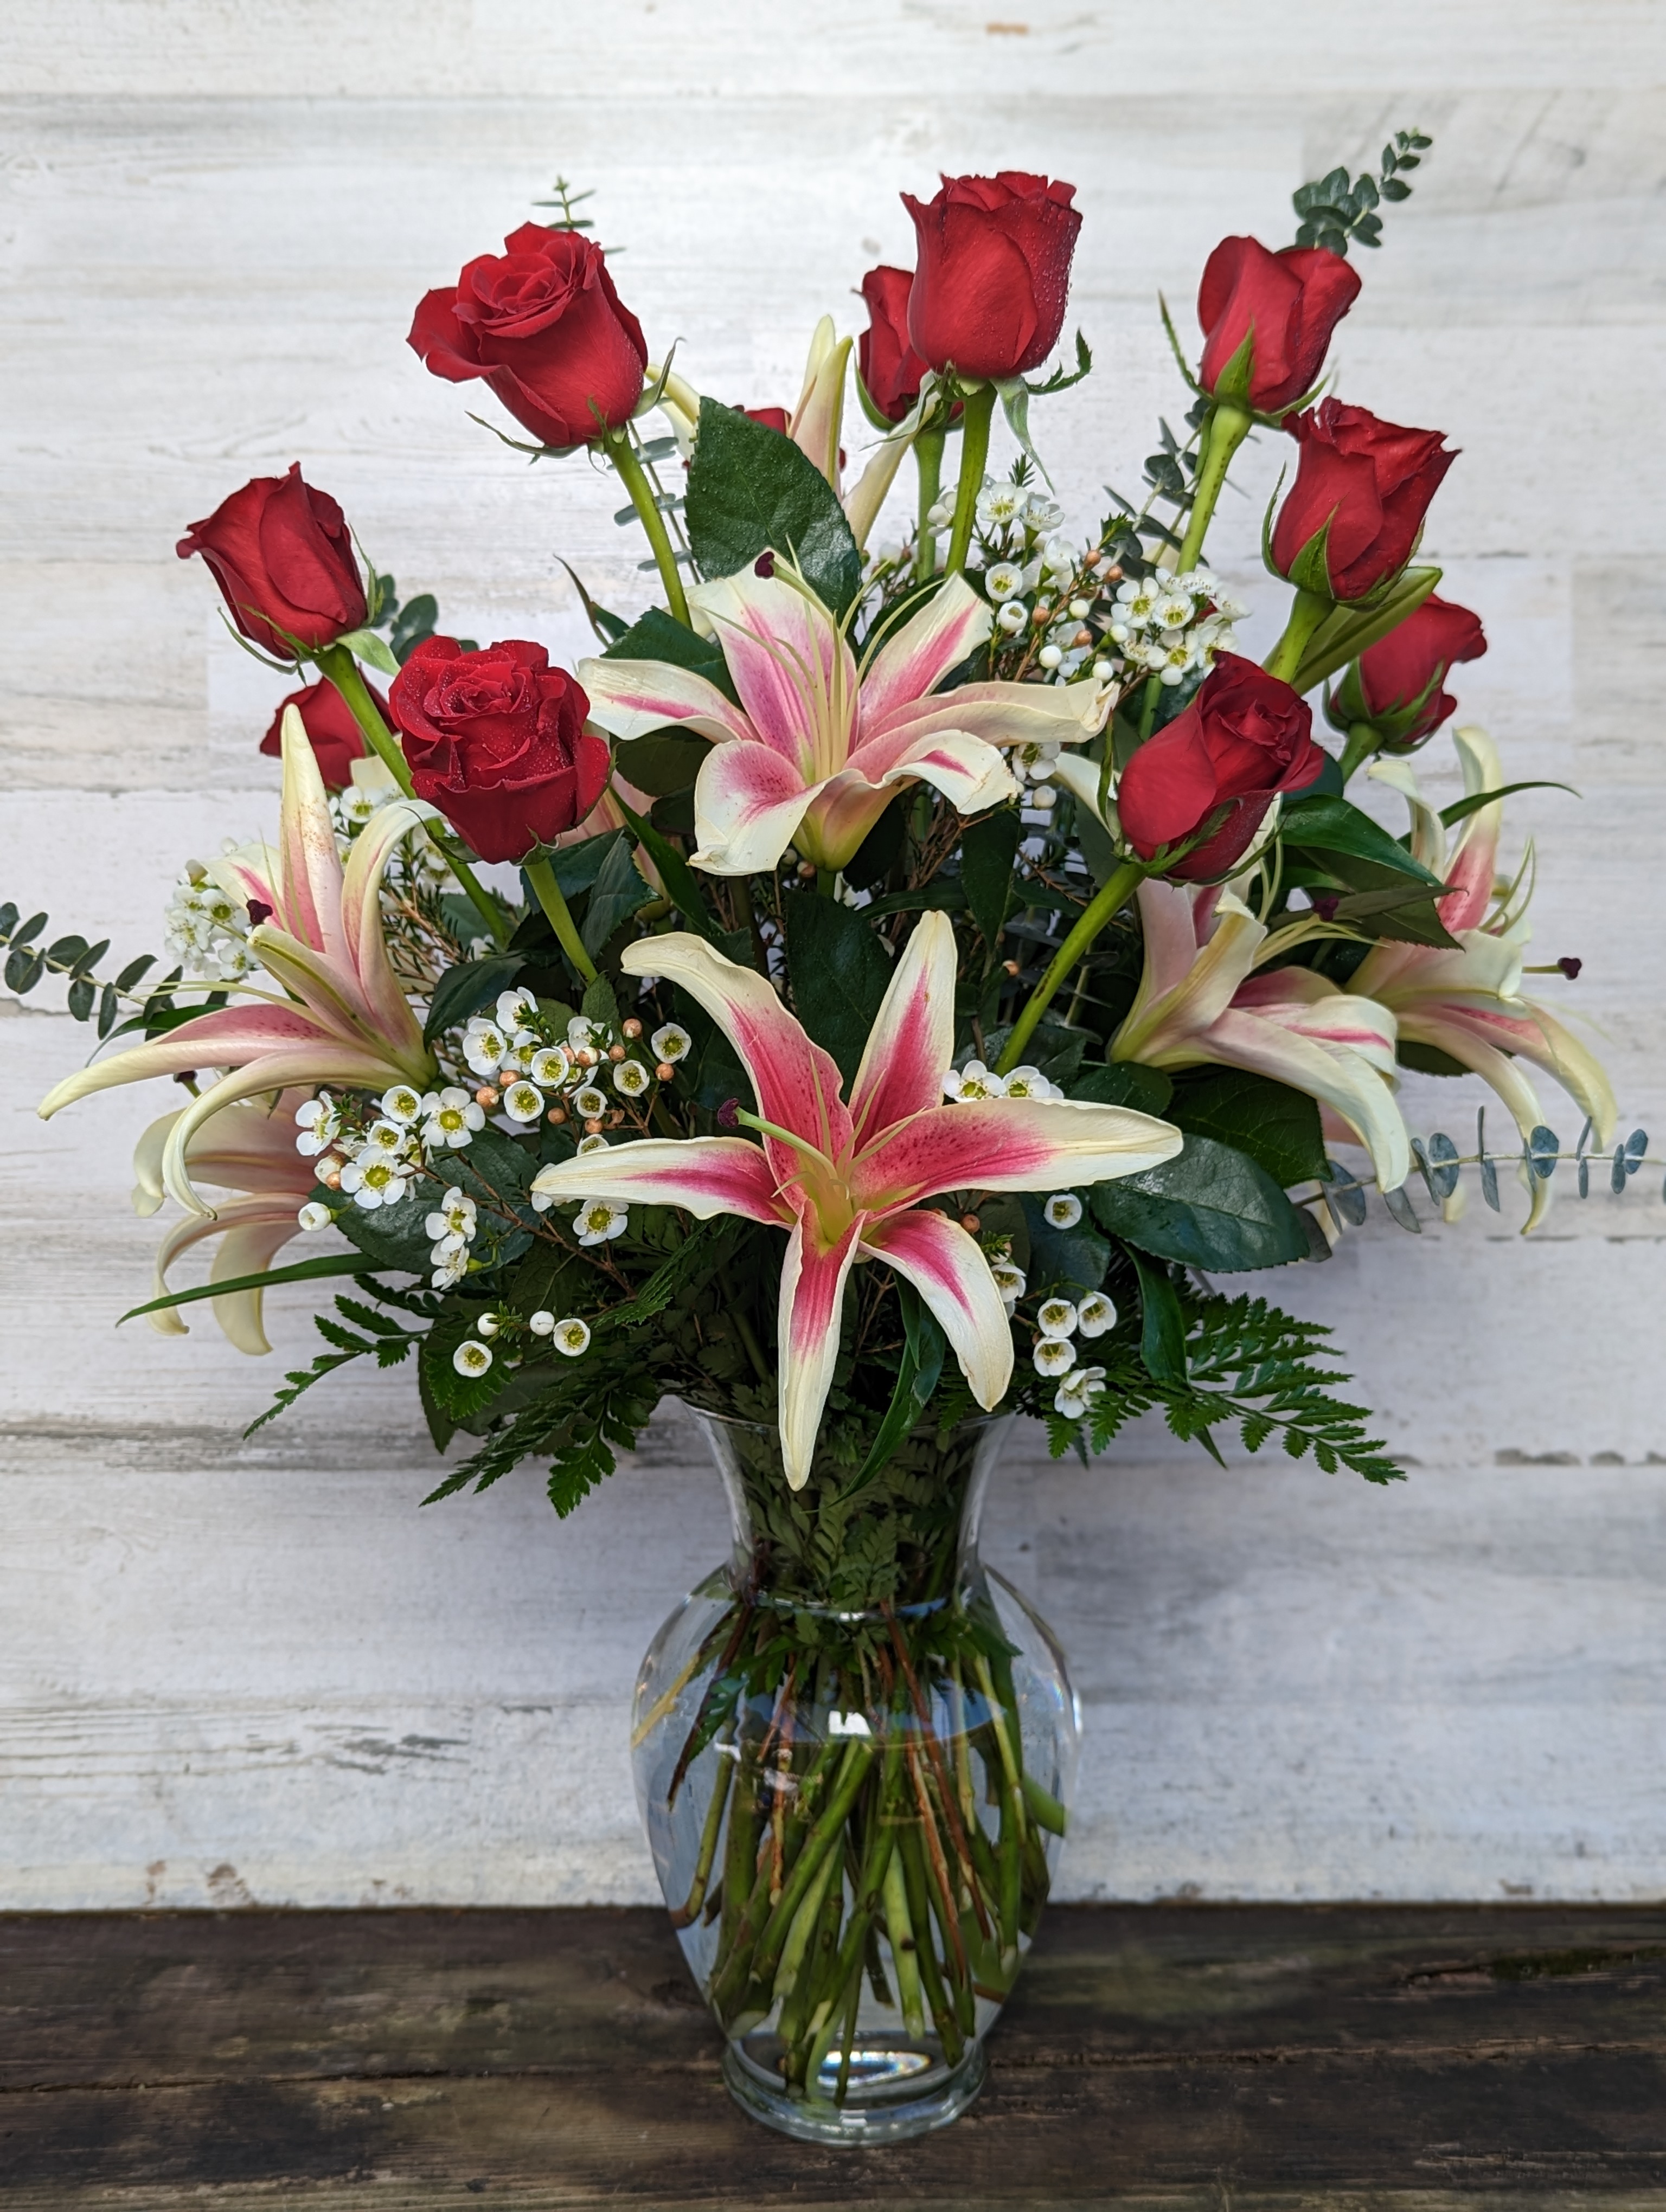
(248, 1147)
(816, 748)
(1200, 1001)
(1466, 1001)
(850, 1180)
(345, 1020)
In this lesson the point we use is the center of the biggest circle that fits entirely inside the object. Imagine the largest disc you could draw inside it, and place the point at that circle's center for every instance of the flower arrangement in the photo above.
(884, 985)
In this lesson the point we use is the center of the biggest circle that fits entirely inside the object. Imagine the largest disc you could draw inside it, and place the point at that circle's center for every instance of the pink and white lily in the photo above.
(344, 1019)
(1200, 1001)
(248, 1147)
(850, 1180)
(816, 748)
(1466, 1001)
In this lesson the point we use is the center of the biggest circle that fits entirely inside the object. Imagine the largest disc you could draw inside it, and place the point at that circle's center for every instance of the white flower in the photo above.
(1056, 1317)
(401, 1104)
(1063, 1210)
(1014, 615)
(386, 1140)
(631, 1079)
(1041, 512)
(590, 1101)
(1054, 1355)
(542, 1201)
(483, 1046)
(471, 1357)
(312, 1215)
(581, 1035)
(939, 516)
(1051, 656)
(1137, 599)
(1096, 1314)
(320, 1123)
(450, 1261)
(599, 1220)
(1033, 760)
(572, 1336)
(488, 1324)
(523, 1051)
(452, 1117)
(516, 1009)
(671, 1043)
(1004, 581)
(541, 1323)
(975, 1080)
(1173, 610)
(376, 1182)
(1008, 1279)
(1076, 1394)
(1059, 556)
(595, 1143)
(551, 1067)
(999, 505)
(455, 1216)
(1031, 1082)
(523, 1101)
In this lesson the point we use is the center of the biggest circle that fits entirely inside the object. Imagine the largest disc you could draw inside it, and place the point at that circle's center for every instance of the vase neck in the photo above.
(906, 1540)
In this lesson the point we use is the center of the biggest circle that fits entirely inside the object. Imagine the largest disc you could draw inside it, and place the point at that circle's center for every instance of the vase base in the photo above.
(891, 2094)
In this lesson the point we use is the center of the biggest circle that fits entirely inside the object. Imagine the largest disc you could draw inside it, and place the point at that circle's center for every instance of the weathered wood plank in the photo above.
(1179, 2057)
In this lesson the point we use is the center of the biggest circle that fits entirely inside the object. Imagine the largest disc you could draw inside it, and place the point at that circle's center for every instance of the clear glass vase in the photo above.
(854, 1748)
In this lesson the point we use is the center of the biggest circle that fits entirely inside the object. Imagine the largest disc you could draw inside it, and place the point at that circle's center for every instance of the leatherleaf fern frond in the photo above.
(1247, 1362)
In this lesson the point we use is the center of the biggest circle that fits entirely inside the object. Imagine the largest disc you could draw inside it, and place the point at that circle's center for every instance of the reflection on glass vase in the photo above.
(853, 1751)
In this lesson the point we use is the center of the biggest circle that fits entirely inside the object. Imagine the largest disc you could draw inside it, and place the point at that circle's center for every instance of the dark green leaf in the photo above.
(82, 992)
(608, 626)
(599, 1005)
(1162, 1324)
(134, 970)
(1277, 1127)
(682, 885)
(8, 918)
(109, 1009)
(988, 849)
(838, 973)
(751, 490)
(1461, 807)
(64, 952)
(390, 1235)
(657, 635)
(1427, 1059)
(1328, 826)
(619, 890)
(1071, 1261)
(575, 867)
(1211, 1207)
(27, 932)
(464, 990)
(662, 764)
(303, 1271)
(24, 969)
(1125, 1083)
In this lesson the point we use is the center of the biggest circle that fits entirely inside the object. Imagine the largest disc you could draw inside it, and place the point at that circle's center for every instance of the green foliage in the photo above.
(1162, 1321)
(1071, 1261)
(463, 990)
(988, 850)
(838, 971)
(1211, 1206)
(1333, 211)
(618, 891)
(1277, 1127)
(74, 957)
(657, 635)
(663, 763)
(1245, 1363)
(1126, 1082)
(752, 491)
(373, 1335)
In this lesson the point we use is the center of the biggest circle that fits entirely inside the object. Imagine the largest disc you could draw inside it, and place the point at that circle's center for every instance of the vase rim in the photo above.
(969, 1426)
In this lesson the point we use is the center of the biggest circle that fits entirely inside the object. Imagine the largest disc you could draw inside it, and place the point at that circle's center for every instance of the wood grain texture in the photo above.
(1179, 2057)
(235, 1671)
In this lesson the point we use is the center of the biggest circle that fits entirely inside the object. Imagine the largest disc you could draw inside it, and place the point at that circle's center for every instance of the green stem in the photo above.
(1225, 430)
(827, 882)
(336, 662)
(1106, 906)
(542, 878)
(828, 1832)
(977, 408)
(928, 460)
(687, 1914)
(1308, 610)
(623, 455)
(1363, 741)
(904, 1947)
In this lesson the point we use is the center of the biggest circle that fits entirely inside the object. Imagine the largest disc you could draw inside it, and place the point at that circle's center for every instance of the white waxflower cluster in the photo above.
(1166, 626)
(965, 1085)
(1061, 1321)
(374, 1154)
(473, 1358)
(1034, 578)
(207, 929)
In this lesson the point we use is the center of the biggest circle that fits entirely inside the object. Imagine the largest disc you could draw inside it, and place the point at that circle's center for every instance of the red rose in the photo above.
(890, 367)
(1396, 685)
(545, 327)
(496, 741)
(283, 557)
(337, 740)
(1245, 738)
(1285, 304)
(772, 418)
(989, 295)
(1365, 484)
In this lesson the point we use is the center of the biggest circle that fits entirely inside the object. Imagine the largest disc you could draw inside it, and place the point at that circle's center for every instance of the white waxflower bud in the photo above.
(1051, 655)
(541, 1323)
(488, 1324)
(1013, 616)
(312, 1215)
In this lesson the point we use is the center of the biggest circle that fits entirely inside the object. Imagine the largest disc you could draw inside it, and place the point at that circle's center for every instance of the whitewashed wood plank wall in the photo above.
(234, 1673)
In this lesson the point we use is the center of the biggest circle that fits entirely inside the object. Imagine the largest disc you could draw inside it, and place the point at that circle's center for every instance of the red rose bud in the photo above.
(988, 294)
(772, 418)
(337, 740)
(1362, 490)
(1276, 311)
(542, 323)
(283, 557)
(1396, 685)
(1244, 738)
(496, 740)
(890, 368)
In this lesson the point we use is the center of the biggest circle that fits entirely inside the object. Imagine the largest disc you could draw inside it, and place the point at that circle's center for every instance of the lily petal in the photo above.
(812, 1280)
(252, 1231)
(629, 698)
(310, 906)
(1008, 1144)
(224, 1038)
(790, 664)
(1338, 1049)
(971, 774)
(705, 1175)
(386, 1010)
(748, 803)
(999, 714)
(952, 1276)
(911, 1045)
(914, 659)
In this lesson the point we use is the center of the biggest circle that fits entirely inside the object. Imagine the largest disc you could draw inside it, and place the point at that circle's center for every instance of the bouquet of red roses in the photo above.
(884, 986)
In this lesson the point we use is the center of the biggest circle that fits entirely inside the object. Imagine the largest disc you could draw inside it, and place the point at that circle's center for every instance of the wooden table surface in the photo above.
(1215, 2056)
